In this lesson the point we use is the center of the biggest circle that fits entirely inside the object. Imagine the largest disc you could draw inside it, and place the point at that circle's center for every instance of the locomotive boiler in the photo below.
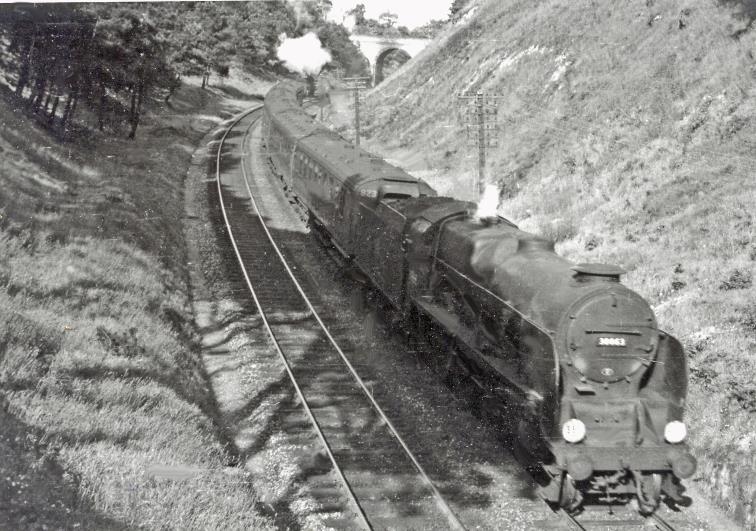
(576, 359)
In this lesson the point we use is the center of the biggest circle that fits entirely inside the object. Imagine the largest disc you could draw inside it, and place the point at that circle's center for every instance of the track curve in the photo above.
(386, 484)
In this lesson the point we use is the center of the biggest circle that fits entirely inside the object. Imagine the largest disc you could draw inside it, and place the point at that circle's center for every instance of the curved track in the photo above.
(383, 481)
(377, 478)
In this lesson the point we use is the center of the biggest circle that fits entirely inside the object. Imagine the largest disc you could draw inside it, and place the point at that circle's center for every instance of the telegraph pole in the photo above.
(481, 110)
(357, 84)
(481, 142)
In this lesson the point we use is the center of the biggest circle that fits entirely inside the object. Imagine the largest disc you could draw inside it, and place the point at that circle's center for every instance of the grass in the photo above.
(99, 362)
(626, 136)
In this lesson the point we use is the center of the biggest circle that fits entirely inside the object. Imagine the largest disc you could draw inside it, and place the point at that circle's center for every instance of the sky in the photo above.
(412, 13)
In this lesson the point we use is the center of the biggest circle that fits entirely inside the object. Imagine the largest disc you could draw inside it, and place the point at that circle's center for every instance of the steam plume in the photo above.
(304, 55)
(489, 203)
(349, 22)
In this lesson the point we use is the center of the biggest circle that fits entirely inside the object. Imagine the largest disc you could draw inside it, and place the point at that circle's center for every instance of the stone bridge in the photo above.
(376, 49)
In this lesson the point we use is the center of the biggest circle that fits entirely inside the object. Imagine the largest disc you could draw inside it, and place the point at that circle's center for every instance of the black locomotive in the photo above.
(598, 391)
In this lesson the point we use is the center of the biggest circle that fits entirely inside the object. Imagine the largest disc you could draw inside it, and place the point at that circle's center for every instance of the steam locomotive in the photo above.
(575, 357)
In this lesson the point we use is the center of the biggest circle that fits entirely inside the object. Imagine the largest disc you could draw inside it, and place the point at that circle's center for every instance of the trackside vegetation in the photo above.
(99, 363)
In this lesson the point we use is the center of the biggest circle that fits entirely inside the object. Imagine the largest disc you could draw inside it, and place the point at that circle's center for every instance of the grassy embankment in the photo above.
(99, 364)
(627, 136)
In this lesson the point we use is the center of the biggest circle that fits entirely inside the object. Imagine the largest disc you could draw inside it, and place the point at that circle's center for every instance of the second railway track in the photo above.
(384, 484)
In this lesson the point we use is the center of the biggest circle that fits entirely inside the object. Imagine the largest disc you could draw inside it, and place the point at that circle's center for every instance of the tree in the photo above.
(456, 7)
(345, 53)
(358, 12)
(388, 19)
(429, 30)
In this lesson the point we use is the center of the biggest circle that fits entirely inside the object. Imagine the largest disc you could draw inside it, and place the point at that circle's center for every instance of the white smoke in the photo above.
(304, 55)
(349, 22)
(489, 203)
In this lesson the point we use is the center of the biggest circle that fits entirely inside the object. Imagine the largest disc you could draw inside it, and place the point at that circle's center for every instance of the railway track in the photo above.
(379, 481)
(621, 522)
(383, 483)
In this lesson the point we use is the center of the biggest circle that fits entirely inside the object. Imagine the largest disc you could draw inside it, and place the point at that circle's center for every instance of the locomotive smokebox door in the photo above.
(610, 335)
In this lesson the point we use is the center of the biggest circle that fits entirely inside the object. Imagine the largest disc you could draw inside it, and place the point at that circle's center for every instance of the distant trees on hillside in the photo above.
(386, 26)
(116, 57)
(456, 7)
(346, 55)
(65, 54)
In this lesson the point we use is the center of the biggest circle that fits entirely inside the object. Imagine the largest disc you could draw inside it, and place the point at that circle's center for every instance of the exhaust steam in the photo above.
(304, 55)
(489, 202)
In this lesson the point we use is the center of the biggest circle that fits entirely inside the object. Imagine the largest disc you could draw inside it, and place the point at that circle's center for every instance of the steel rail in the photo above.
(571, 520)
(661, 523)
(361, 513)
(654, 518)
(440, 501)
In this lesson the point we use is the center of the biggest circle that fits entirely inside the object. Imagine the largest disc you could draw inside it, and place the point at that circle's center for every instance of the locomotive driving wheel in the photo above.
(570, 496)
(648, 487)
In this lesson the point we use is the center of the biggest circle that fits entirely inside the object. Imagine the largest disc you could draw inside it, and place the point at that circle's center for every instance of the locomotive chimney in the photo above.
(597, 272)
(529, 245)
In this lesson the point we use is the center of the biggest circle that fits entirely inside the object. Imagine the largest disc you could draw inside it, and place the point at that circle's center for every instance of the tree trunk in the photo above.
(132, 111)
(23, 74)
(40, 88)
(171, 90)
(70, 116)
(47, 103)
(135, 110)
(51, 119)
(101, 110)
(67, 109)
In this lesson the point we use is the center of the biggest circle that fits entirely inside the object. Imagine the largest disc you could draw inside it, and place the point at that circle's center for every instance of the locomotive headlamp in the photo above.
(573, 431)
(675, 432)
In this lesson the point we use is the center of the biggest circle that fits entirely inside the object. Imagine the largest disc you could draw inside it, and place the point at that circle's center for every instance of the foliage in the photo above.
(345, 53)
(386, 26)
(115, 57)
(456, 7)
(64, 53)
(429, 30)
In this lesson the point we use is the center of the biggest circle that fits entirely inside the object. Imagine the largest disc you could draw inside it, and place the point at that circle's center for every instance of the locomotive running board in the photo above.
(451, 322)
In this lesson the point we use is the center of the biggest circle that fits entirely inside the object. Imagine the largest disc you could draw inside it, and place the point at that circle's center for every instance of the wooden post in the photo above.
(481, 143)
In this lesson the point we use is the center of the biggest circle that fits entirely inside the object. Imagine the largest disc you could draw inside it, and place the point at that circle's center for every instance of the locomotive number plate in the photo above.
(612, 342)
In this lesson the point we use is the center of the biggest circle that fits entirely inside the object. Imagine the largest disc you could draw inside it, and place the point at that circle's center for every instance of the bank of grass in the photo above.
(627, 136)
(98, 359)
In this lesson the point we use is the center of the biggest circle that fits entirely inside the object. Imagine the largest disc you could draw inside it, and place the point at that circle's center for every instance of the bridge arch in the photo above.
(380, 63)
(376, 49)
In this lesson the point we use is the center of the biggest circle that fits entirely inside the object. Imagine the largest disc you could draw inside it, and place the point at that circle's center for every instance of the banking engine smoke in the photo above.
(304, 55)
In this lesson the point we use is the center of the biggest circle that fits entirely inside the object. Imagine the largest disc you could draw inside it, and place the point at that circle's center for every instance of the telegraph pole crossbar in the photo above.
(357, 84)
(482, 128)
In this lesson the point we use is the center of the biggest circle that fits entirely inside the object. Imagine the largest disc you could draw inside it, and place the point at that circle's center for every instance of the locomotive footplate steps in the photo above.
(387, 486)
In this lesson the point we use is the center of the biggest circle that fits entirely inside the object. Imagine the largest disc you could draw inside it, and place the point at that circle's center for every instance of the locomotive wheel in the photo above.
(649, 491)
(570, 497)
